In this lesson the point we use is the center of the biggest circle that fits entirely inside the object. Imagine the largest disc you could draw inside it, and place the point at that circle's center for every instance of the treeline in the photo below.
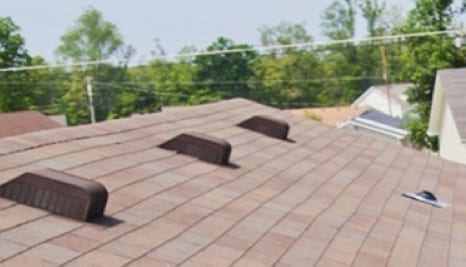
(284, 77)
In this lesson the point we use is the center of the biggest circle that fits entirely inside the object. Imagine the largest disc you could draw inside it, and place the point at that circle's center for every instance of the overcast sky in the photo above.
(176, 23)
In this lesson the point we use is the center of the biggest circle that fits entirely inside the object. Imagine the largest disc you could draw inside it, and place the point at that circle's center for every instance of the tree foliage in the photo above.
(372, 11)
(223, 75)
(92, 38)
(338, 20)
(423, 56)
(12, 54)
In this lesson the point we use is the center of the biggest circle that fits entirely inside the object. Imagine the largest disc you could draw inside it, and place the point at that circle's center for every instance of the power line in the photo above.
(230, 82)
(250, 49)
(234, 82)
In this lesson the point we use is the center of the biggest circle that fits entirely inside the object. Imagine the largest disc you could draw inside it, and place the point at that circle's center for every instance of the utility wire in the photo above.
(233, 82)
(230, 82)
(250, 49)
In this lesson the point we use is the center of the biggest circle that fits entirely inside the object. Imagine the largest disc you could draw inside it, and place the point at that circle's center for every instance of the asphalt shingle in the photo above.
(21, 122)
(329, 198)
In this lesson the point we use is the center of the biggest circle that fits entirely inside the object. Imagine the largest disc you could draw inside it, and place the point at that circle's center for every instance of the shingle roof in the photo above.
(331, 198)
(16, 123)
(331, 115)
(454, 84)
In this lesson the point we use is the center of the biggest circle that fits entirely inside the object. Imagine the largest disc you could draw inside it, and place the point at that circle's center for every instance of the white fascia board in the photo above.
(375, 129)
(382, 126)
(436, 108)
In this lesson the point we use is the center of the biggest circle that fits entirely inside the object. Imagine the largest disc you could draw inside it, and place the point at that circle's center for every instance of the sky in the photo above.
(176, 23)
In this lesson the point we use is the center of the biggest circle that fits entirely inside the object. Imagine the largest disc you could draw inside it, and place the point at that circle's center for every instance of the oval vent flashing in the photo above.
(267, 125)
(426, 197)
(201, 146)
(58, 192)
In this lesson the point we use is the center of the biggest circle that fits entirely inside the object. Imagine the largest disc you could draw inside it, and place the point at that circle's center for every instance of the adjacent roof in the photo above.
(330, 115)
(397, 92)
(330, 198)
(16, 123)
(454, 85)
(379, 122)
(379, 117)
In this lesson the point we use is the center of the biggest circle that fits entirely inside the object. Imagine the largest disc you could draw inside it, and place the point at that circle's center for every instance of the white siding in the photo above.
(451, 147)
(379, 101)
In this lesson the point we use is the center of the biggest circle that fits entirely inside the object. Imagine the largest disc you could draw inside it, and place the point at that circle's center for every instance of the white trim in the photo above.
(381, 126)
(436, 108)
(374, 129)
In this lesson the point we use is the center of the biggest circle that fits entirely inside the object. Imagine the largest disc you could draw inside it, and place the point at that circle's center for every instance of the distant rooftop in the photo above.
(21, 122)
(396, 90)
(382, 118)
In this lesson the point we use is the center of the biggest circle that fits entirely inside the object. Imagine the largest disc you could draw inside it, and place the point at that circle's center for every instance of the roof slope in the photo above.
(397, 92)
(379, 117)
(454, 84)
(330, 198)
(16, 123)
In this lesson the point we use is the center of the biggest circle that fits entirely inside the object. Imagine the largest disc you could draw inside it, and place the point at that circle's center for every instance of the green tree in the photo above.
(372, 11)
(46, 87)
(13, 94)
(284, 33)
(423, 56)
(286, 81)
(223, 75)
(93, 38)
(338, 20)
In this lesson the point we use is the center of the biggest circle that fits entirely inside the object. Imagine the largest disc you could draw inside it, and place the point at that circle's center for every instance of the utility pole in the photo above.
(385, 77)
(89, 95)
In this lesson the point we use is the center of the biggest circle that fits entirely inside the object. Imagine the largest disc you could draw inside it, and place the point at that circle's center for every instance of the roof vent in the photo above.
(203, 147)
(59, 193)
(426, 197)
(268, 126)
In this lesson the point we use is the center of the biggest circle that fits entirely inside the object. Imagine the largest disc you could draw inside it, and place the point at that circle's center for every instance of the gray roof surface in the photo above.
(379, 117)
(454, 84)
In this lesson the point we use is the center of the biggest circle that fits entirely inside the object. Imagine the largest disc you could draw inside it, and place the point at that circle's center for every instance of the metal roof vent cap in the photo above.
(58, 192)
(267, 125)
(201, 146)
(426, 197)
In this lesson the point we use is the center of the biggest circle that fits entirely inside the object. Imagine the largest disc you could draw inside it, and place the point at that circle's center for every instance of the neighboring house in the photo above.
(21, 122)
(379, 125)
(324, 197)
(332, 116)
(376, 97)
(448, 114)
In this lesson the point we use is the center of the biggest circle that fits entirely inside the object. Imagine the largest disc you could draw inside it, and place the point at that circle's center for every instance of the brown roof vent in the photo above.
(201, 146)
(59, 193)
(267, 125)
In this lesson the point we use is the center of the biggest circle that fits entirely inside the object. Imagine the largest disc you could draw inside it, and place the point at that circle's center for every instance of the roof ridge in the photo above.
(19, 143)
